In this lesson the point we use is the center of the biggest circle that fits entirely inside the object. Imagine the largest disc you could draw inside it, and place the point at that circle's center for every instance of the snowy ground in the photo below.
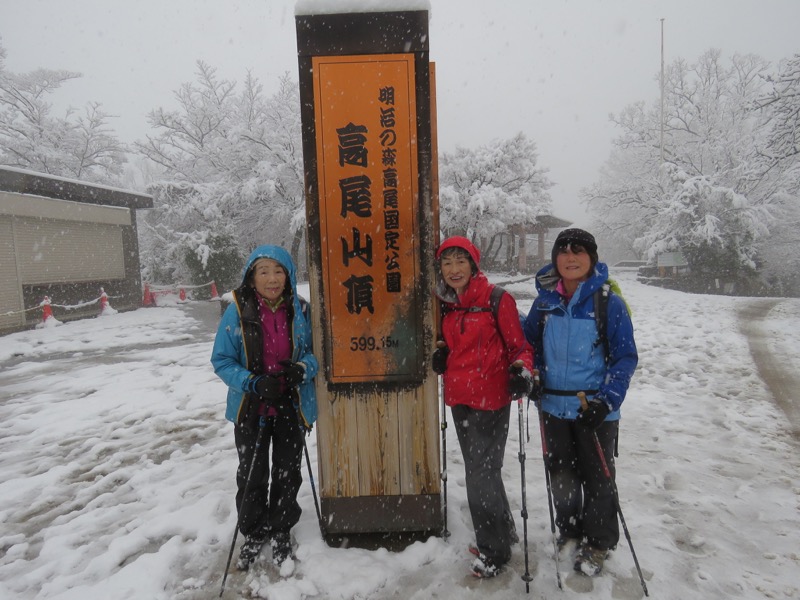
(117, 471)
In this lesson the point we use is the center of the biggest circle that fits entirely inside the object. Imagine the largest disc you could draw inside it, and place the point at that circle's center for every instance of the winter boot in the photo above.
(250, 549)
(281, 547)
(483, 567)
(589, 560)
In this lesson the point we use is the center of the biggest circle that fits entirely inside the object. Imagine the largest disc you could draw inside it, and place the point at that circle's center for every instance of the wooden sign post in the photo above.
(366, 109)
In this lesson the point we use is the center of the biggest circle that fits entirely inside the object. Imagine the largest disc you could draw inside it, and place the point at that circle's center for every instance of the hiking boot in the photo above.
(281, 547)
(590, 559)
(250, 549)
(483, 567)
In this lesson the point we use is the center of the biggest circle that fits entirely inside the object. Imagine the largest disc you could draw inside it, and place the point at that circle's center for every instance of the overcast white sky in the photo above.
(553, 69)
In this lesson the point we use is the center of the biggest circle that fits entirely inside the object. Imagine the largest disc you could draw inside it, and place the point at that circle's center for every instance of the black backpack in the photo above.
(494, 304)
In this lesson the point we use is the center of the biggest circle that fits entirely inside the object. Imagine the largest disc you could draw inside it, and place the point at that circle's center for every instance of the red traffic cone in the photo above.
(48, 320)
(47, 312)
(182, 295)
(105, 307)
(214, 294)
(147, 299)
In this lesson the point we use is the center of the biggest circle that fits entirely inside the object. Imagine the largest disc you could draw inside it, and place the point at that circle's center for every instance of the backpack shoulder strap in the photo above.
(494, 300)
(601, 315)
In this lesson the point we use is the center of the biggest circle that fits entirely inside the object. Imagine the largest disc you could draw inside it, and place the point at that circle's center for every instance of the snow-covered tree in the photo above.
(712, 198)
(486, 190)
(78, 145)
(233, 170)
(780, 110)
(781, 105)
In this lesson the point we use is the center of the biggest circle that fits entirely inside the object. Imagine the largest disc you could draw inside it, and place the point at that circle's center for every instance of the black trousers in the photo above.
(582, 494)
(482, 436)
(271, 501)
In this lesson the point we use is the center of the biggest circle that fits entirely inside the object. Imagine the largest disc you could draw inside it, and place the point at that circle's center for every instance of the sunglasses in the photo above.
(573, 247)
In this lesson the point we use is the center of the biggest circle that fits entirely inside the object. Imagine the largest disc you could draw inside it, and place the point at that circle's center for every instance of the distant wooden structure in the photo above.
(510, 251)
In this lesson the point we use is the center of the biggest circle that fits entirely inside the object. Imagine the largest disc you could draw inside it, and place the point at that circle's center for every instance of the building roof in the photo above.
(21, 181)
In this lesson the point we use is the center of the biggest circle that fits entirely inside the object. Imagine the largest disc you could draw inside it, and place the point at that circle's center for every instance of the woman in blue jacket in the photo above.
(571, 358)
(262, 351)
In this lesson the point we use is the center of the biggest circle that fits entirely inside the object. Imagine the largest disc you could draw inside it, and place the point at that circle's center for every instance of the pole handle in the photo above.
(582, 398)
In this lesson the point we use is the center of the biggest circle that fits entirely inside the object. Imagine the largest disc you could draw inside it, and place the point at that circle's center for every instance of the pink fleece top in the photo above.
(275, 325)
(562, 290)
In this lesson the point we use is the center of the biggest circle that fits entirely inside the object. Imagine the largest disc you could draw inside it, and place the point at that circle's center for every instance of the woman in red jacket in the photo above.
(484, 360)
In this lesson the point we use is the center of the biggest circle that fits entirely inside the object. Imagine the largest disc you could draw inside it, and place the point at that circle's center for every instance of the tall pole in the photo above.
(662, 91)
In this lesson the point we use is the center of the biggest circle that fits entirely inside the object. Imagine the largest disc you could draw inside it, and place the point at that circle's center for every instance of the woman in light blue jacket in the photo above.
(572, 356)
(262, 351)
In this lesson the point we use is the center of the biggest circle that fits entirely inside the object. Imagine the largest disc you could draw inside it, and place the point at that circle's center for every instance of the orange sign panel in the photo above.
(365, 116)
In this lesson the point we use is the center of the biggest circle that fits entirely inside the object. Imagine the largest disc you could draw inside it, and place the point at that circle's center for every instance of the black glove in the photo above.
(520, 382)
(594, 415)
(266, 387)
(439, 360)
(536, 393)
(293, 372)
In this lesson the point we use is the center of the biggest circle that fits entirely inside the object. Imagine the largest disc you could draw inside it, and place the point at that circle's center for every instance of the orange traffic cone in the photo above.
(214, 294)
(147, 299)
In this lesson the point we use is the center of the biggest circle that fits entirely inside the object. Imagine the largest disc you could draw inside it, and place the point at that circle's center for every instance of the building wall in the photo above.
(50, 251)
(66, 240)
(10, 292)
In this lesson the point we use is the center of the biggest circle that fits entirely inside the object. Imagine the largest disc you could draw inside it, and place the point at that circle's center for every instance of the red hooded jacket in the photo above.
(481, 350)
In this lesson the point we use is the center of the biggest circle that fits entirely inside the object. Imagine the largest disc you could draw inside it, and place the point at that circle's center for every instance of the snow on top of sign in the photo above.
(329, 7)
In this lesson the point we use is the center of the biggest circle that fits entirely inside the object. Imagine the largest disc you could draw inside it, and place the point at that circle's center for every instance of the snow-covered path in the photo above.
(117, 472)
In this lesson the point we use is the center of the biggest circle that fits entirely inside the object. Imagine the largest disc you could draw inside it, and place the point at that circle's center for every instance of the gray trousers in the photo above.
(482, 436)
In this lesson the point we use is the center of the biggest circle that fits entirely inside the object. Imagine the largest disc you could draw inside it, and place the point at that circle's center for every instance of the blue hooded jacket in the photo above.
(568, 353)
(229, 355)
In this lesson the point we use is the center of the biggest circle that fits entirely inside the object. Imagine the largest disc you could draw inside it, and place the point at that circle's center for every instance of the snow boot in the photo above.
(251, 548)
(589, 560)
(281, 547)
(483, 567)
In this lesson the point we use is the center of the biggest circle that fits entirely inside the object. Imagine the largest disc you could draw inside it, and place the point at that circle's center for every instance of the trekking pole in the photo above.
(549, 488)
(445, 532)
(308, 464)
(615, 494)
(313, 487)
(527, 575)
(262, 422)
